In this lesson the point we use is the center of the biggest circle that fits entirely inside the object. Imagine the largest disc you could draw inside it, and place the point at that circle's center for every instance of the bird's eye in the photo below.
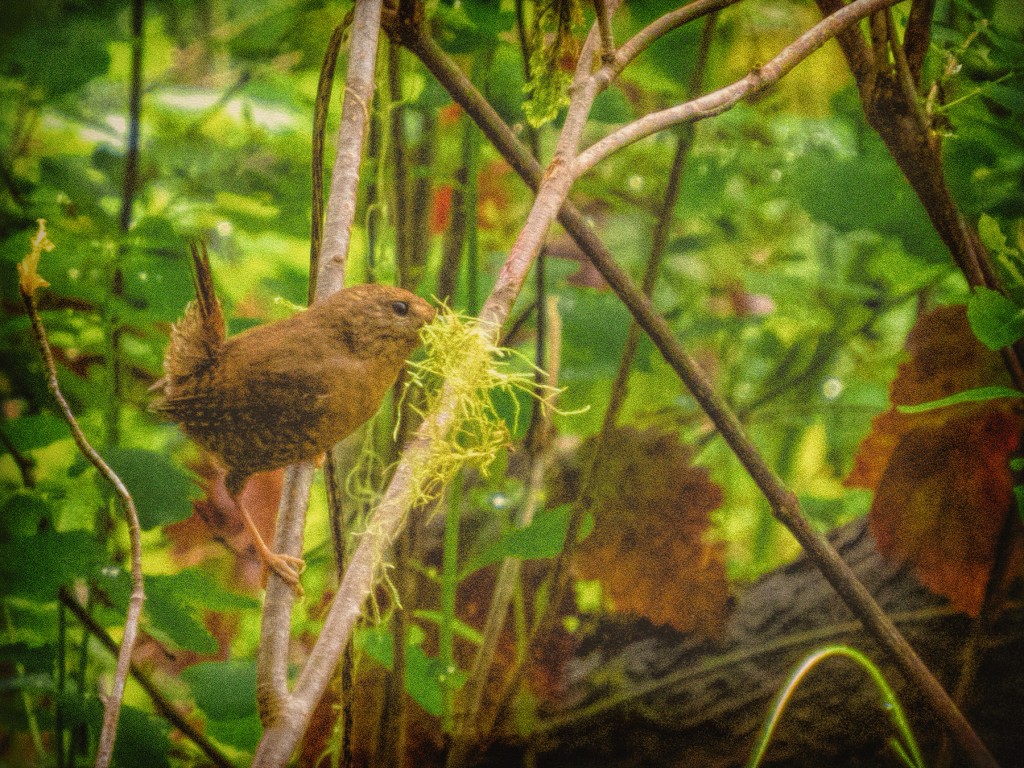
(400, 307)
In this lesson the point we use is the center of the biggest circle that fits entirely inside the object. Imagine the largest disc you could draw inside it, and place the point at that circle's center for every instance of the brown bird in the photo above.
(286, 391)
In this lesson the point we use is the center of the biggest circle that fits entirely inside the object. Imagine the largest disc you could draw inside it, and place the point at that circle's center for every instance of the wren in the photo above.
(286, 391)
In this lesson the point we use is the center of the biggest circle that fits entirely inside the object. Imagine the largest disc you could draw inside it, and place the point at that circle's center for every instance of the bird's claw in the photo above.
(288, 568)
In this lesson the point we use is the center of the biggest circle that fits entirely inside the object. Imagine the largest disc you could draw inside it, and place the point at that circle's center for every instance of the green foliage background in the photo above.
(796, 264)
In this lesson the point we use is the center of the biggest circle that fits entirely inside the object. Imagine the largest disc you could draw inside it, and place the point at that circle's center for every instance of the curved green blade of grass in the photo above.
(907, 750)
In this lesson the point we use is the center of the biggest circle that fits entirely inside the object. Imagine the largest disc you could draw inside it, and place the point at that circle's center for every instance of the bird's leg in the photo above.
(285, 566)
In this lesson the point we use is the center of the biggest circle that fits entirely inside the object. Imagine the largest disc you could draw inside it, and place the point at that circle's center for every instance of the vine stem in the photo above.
(29, 282)
(890, 702)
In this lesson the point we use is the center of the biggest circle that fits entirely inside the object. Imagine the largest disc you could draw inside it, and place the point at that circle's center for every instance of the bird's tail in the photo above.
(202, 278)
(196, 339)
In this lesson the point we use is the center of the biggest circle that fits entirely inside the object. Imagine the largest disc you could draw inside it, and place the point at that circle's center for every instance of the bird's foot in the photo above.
(288, 568)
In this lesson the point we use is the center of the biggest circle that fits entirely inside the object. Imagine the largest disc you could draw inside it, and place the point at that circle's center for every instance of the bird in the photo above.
(286, 391)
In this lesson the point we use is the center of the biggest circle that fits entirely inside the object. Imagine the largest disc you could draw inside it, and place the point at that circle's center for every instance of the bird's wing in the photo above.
(264, 400)
(197, 338)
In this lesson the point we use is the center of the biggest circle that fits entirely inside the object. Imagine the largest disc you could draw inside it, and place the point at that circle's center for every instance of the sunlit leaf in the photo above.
(995, 320)
(941, 476)
(544, 537)
(980, 394)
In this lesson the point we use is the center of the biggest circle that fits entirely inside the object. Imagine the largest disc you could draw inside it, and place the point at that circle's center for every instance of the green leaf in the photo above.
(160, 285)
(968, 396)
(459, 628)
(142, 739)
(542, 538)
(991, 235)
(424, 675)
(161, 490)
(175, 605)
(426, 678)
(224, 690)
(376, 643)
(866, 192)
(37, 565)
(243, 733)
(32, 658)
(36, 431)
(995, 320)
(23, 511)
(594, 332)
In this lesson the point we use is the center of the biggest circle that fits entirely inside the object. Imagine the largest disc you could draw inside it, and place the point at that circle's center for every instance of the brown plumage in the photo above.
(286, 391)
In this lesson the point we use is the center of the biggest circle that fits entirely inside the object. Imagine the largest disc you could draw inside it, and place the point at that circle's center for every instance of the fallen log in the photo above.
(638, 695)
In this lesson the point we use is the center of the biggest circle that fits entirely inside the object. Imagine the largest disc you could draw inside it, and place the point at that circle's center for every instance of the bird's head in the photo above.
(377, 320)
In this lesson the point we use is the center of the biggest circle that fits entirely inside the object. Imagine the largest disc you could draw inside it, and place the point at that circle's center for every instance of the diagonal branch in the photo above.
(658, 28)
(162, 703)
(783, 502)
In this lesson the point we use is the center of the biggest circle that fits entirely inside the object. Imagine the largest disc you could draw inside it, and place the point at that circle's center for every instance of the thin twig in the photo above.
(468, 721)
(401, 205)
(321, 108)
(905, 76)
(918, 36)
(455, 237)
(604, 23)
(163, 705)
(331, 471)
(783, 503)
(131, 160)
(661, 26)
(112, 704)
(393, 714)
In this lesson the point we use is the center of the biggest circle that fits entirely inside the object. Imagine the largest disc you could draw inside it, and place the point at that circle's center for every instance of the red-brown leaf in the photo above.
(649, 546)
(941, 478)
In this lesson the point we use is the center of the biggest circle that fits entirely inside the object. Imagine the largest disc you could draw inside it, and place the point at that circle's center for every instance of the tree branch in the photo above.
(719, 101)
(355, 115)
(272, 662)
(604, 23)
(918, 35)
(321, 108)
(783, 503)
(661, 26)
